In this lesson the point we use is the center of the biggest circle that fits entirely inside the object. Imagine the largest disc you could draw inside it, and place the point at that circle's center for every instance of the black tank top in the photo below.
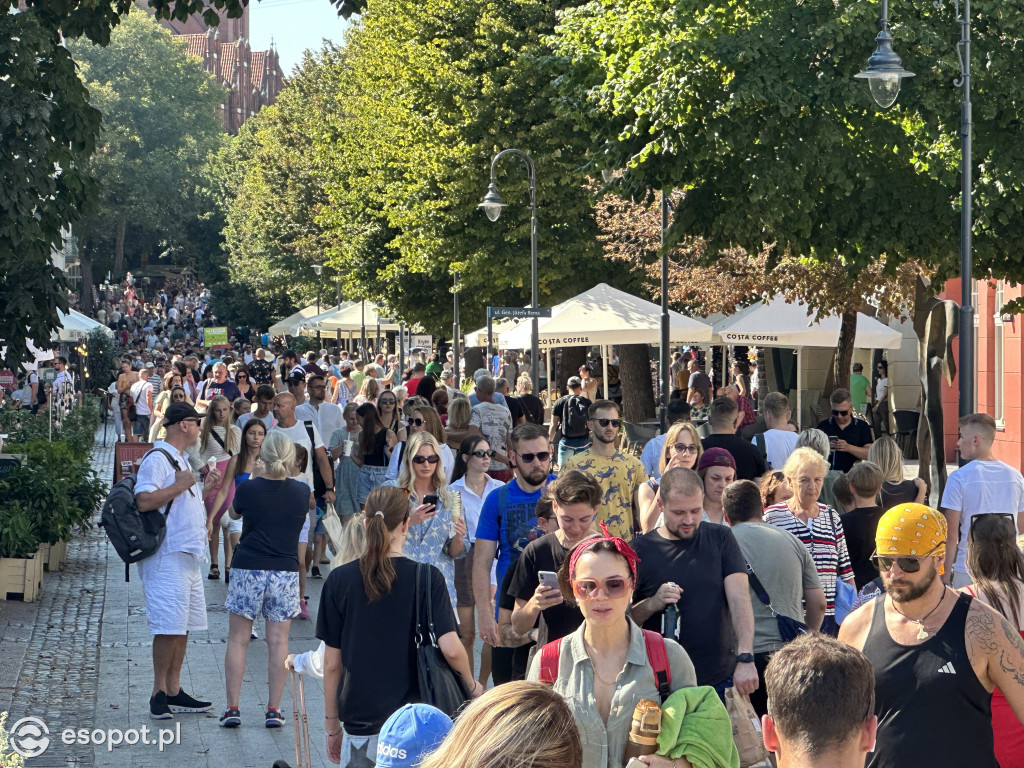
(378, 458)
(932, 709)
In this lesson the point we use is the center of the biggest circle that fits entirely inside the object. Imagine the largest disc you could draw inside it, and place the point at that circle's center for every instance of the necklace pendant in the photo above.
(922, 634)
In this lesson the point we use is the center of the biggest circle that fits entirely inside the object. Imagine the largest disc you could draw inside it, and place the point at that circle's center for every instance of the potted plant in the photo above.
(21, 567)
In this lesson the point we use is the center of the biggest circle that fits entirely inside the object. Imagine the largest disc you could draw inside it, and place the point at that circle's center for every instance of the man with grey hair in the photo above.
(779, 440)
(220, 384)
(495, 422)
(448, 380)
(474, 399)
(569, 421)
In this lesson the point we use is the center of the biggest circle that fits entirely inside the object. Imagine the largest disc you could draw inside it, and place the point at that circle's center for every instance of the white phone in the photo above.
(549, 579)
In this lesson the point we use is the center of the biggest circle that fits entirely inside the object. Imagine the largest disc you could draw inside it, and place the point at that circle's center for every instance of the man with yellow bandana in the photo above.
(937, 653)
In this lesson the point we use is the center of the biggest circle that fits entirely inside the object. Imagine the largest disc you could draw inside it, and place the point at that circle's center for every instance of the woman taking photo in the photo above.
(342, 449)
(375, 445)
(368, 624)
(266, 580)
(997, 567)
(817, 525)
(218, 441)
(682, 448)
(886, 454)
(433, 537)
(458, 428)
(603, 689)
(472, 483)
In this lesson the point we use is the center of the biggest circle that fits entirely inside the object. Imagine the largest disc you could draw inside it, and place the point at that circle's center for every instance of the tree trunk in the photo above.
(122, 226)
(572, 359)
(90, 296)
(635, 377)
(839, 377)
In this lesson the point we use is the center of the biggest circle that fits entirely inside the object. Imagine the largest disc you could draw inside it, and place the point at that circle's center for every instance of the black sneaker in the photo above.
(181, 702)
(274, 718)
(158, 709)
(315, 573)
(231, 718)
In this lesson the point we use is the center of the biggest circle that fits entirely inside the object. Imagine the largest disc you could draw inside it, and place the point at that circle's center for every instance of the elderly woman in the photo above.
(817, 525)
(817, 440)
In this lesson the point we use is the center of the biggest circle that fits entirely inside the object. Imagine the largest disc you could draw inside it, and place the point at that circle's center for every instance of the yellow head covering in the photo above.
(912, 529)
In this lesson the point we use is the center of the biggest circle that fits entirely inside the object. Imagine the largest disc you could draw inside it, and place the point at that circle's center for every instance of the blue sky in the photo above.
(294, 25)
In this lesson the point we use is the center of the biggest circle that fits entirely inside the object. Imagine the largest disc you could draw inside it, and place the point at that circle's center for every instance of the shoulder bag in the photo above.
(846, 595)
(789, 628)
(440, 685)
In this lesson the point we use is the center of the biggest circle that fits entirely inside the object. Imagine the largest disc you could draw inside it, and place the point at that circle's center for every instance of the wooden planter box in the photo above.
(21, 578)
(55, 556)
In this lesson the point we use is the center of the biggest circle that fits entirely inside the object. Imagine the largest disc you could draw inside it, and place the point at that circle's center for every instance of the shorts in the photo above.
(304, 533)
(274, 595)
(358, 751)
(141, 425)
(464, 581)
(369, 478)
(175, 600)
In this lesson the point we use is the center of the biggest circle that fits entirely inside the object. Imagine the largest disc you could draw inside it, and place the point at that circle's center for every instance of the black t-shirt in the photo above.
(377, 643)
(857, 433)
(514, 407)
(750, 463)
(533, 407)
(545, 554)
(560, 409)
(273, 513)
(262, 372)
(698, 565)
(898, 493)
(859, 526)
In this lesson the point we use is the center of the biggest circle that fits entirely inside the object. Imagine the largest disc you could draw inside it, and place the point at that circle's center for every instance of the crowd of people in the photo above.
(744, 544)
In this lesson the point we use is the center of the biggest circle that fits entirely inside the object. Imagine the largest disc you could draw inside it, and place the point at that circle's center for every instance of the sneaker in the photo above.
(315, 573)
(158, 709)
(274, 719)
(181, 702)
(303, 610)
(231, 718)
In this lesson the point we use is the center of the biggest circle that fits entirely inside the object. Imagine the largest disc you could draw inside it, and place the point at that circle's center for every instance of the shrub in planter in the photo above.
(17, 536)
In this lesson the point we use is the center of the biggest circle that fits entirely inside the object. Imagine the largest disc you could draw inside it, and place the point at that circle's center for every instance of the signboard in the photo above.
(8, 380)
(215, 337)
(48, 375)
(494, 313)
(422, 341)
(126, 458)
(9, 462)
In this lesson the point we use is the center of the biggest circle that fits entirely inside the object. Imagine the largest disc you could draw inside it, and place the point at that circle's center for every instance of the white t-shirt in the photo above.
(268, 421)
(979, 487)
(186, 521)
(298, 435)
(327, 417)
(881, 390)
(139, 395)
(779, 443)
(471, 503)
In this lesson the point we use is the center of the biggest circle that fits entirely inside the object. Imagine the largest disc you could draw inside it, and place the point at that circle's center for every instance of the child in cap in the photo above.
(410, 734)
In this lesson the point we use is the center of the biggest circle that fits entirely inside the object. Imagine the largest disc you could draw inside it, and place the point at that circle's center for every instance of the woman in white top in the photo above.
(218, 441)
(473, 485)
(880, 410)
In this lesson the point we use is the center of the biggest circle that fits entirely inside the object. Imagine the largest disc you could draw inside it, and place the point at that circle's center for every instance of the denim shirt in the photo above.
(605, 744)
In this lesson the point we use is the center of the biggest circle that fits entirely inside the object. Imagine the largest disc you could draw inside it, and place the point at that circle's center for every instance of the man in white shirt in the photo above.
(327, 417)
(779, 439)
(171, 577)
(984, 485)
(141, 393)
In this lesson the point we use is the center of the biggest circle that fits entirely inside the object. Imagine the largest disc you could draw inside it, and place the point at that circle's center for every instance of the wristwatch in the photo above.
(745, 658)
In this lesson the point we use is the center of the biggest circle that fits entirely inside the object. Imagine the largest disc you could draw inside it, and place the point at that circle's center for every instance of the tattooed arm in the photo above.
(993, 638)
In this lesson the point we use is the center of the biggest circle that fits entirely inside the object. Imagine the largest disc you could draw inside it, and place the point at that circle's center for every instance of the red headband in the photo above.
(620, 545)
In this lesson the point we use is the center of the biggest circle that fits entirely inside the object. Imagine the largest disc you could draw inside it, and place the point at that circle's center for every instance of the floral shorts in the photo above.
(274, 595)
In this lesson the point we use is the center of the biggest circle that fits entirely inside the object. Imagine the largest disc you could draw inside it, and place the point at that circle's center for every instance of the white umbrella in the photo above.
(290, 325)
(353, 318)
(75, 326)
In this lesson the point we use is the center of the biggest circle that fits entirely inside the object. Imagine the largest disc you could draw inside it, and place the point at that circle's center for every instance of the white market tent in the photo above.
(290, 325)
(75, 327)
(350, 317)
(777, 323)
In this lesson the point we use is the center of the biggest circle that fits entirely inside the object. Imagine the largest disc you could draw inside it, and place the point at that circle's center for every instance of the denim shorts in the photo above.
(274, 595)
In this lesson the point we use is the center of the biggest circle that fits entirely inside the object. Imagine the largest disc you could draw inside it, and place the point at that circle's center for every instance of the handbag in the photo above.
(746, 729)
(789, 629)
(846, 594)
(440, 685)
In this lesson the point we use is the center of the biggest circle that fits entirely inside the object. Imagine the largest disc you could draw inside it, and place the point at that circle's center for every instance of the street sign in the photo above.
(48, 375)
(423, 341)
(215, 337)
(494, 313)
(8, 380)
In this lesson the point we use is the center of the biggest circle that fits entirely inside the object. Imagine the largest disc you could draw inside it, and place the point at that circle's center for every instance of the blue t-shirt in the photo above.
(509, 517)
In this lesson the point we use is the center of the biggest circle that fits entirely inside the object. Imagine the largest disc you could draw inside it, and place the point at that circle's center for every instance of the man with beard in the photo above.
(696, 570)
(937, 653)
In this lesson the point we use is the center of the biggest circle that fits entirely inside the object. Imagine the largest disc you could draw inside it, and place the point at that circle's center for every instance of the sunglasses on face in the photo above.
(684, 448)
(528, 458)
(415, 422)
(387, 402)
(426, 459)
(609, 422)
(839, 413)
(481, 454)
(907, 563)
(177, 397)
(587, 589)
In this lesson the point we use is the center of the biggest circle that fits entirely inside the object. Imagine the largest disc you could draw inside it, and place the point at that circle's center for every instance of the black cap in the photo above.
(179, 412)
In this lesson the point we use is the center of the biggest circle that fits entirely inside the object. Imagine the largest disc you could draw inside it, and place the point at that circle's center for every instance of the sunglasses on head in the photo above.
(684, 448)
(609, 422)
(528, 458)
(1005, 515)
(426, 459)
(907, 563)
(587, 589)
(482, 454)
(415, 422)
(839, 413)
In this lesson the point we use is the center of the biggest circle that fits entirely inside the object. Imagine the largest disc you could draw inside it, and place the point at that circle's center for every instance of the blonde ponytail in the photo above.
(278, 454)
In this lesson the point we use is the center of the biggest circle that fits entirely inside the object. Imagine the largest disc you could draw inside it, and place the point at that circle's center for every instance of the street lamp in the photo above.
(666, 369)
(492, 205)
(455, 328)
(318, 269)
(884, 74)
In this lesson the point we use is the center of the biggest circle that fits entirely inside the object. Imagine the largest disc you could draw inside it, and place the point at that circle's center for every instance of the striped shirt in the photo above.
(825, 541)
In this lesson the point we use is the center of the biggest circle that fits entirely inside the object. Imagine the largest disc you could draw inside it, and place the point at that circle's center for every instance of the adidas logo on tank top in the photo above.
(948, 668)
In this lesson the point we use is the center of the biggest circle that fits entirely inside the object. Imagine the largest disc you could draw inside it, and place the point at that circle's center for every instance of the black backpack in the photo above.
(575, 419)
(135, 535)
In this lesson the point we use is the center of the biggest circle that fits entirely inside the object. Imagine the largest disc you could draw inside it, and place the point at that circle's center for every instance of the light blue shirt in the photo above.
(651, 456)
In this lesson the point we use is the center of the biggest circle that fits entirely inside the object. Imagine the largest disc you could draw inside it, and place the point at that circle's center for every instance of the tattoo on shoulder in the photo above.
(1003, 644)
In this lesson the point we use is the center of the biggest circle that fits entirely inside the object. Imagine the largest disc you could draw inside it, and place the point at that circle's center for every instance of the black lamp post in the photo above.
(319, 270)
(492, 205)
(884, 74)
(456, 330)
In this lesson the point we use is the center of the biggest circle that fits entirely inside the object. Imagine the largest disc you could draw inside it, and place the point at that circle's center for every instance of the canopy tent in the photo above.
(290, 325)
(478, 338)
(777, 323)
(327, 314)
(353, 317)
(38, 356)
(75, 326)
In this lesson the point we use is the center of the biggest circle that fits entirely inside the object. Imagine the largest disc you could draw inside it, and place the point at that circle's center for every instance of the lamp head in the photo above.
(492, 202)
(884, 72)
(318, 268)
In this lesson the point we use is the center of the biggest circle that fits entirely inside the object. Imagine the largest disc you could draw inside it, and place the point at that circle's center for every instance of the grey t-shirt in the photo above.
(495, 421)
(785, 569)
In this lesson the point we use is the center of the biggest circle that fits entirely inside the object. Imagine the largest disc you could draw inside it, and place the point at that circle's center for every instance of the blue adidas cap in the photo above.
(410, 734)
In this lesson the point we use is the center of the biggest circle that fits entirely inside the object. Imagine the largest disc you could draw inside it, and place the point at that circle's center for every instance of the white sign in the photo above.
(422, 341)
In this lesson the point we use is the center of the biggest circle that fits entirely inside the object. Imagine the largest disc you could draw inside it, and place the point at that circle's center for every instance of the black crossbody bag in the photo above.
(789, 629)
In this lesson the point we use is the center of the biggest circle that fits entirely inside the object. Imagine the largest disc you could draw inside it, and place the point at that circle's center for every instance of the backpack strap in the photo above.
(549, 656)
(658, 657)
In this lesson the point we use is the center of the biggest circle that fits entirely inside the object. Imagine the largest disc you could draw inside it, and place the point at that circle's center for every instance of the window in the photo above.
(998, 339)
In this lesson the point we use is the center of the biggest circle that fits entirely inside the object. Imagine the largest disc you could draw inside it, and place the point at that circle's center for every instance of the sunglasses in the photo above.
(587, 589)
(426, 459)
(387, 402)
(481, 454)
(528, 458)
(1005, 515)
(609, 422)
(177, 397)
(684, 448)
(907, 563)
(839, 413)
(415, 422)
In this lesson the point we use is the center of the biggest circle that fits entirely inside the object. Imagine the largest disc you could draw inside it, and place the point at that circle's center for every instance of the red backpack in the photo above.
(656, 655)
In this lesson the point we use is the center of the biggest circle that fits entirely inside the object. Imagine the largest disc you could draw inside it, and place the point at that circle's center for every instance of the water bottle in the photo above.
(644, 730)
(670, 622)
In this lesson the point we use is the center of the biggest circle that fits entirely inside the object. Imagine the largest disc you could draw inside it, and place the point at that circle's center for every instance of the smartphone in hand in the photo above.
(549, 579)
(431, 498)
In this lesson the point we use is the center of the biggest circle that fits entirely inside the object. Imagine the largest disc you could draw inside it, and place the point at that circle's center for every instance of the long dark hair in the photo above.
(996, 564)
(466, 446)
(387, 507)
(243, 450)
(367, 413)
